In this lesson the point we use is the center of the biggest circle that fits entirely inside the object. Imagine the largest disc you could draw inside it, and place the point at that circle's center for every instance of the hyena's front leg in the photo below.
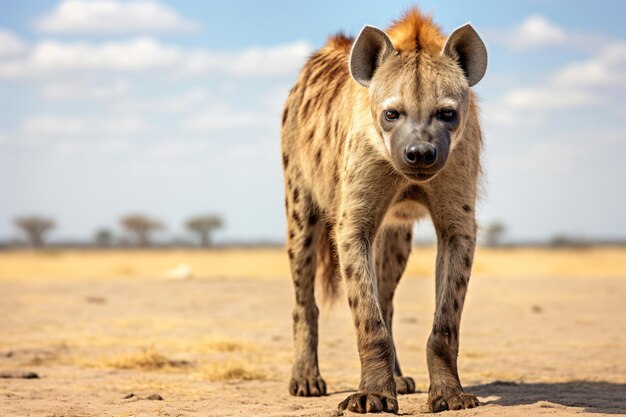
(302, 220)
(393, 247)
(456, 237)
(355, 233)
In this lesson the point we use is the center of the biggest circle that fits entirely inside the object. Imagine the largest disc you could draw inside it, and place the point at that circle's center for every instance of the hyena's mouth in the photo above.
(422, 176)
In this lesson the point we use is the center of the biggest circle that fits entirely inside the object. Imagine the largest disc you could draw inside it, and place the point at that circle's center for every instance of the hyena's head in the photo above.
(419, 99)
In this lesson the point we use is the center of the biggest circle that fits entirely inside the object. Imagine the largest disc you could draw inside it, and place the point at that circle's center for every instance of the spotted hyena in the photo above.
(377, 133)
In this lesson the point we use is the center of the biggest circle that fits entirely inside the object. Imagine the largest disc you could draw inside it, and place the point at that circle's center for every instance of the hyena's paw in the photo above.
(404, 384)
(455, 402)
(307, 387)
(362, 402)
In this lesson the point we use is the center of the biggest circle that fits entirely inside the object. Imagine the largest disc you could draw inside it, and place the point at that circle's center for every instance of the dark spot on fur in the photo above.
(468, 261)
(460, 283)
(285, 115)
(456, 305)
(308, 260)
(346, 245)
(305, 109)
(379, 348)
(312, 220)
(348, 271)
(291, 235)
(400, 259)
(467, 208)
(296, 317)
(296, 218)
(308, 241)
(285, 159)
(408, 236)
(299, 299)
(372, 325)
(315, 77)
(357, 322)
(296, 195)
(290, 253)
(318, 157)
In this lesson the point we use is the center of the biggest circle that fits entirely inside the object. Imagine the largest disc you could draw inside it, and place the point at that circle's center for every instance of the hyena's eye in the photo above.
(392, 115)
(446, 115)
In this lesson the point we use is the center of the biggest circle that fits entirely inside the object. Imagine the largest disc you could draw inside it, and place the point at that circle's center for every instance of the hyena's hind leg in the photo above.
(392, 253)
(302, 221)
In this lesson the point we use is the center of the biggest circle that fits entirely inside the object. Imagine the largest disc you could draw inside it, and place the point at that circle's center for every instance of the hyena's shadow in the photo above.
(594, 396)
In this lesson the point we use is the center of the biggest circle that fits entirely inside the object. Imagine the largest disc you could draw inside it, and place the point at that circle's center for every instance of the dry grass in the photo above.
(269, 263)
(213, 344)
(221, 371)
(116, 264)
(146, 360)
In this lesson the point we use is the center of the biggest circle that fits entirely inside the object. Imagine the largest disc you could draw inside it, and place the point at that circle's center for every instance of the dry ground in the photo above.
(543, 333)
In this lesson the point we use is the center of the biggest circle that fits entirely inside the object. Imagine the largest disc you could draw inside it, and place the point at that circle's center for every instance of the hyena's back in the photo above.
(316, 121)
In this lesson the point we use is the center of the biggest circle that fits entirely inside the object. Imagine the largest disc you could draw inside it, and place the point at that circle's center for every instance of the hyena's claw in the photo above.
(455, 402)
(362, 402)
(307, 387)
(404, 384)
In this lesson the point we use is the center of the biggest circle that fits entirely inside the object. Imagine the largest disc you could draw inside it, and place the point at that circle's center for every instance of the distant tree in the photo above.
(561, 240)
(140, 227)
(104, 237)
(204, 226)
(494, 233)
(34, 227)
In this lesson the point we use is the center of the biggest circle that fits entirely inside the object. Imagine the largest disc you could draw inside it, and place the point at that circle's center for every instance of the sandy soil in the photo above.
(217, 347)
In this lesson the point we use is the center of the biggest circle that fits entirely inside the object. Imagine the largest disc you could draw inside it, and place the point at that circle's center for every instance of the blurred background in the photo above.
(157, 122)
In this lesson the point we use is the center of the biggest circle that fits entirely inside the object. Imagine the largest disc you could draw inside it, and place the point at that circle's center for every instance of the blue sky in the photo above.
(172, 109)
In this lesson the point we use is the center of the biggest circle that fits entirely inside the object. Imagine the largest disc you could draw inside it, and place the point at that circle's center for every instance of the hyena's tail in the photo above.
(327, 274)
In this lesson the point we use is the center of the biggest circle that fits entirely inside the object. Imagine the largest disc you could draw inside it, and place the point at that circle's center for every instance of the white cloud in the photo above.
(608, 68)
(175, 149)
(537, 31)
(547, 98)
(148, 54)
(10, 44)
(599, 80)
(106, 146)
(279, 59)
(70, 91)
(51, 125)
(185, 101)
(219, 119)
(112, 16)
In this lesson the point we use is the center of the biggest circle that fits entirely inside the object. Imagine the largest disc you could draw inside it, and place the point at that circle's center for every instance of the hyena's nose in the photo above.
(420, 154)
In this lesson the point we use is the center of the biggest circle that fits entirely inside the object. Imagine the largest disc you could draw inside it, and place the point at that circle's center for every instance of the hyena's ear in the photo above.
(369, 51)
(465, 46)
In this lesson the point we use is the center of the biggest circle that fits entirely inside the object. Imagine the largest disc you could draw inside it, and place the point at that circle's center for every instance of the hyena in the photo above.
(377, 133)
